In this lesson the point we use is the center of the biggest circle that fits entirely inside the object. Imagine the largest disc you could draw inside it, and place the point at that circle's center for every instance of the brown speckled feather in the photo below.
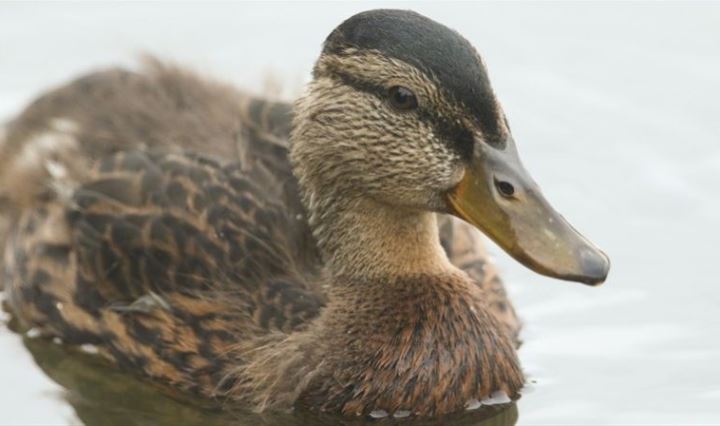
(165, 260)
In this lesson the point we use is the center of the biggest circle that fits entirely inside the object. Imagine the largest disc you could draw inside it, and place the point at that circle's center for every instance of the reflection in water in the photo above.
(100, 394)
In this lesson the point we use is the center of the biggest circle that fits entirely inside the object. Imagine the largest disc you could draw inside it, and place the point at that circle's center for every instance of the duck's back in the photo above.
(134, 226)
(114, 110)
(164, 261)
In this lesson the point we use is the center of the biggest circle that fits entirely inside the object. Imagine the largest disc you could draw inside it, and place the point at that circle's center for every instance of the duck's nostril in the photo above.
(506, 189)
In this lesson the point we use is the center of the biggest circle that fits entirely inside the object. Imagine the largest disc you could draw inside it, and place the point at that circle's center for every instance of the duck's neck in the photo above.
(367, 239)
(403, 330)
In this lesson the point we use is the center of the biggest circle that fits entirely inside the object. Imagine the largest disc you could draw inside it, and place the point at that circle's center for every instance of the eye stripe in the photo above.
(460, 138)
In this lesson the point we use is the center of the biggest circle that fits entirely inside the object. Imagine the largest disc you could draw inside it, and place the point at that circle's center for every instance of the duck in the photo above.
(321, 255)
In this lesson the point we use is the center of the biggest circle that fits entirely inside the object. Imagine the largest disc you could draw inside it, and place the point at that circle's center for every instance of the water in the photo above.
(615, 110)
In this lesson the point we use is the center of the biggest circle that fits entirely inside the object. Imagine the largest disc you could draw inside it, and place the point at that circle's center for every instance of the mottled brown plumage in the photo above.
(157, 215)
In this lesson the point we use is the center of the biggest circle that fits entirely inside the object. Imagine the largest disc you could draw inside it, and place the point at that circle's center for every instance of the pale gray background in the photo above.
(615, 108)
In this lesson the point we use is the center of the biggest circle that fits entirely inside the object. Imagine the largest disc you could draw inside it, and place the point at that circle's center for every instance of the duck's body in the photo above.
(158, 216)
(113, 304)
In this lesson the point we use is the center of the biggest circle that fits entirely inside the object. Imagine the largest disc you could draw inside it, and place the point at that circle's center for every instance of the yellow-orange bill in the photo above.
(498, 196)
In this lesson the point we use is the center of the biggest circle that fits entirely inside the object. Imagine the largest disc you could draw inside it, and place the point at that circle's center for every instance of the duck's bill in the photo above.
(498, 196)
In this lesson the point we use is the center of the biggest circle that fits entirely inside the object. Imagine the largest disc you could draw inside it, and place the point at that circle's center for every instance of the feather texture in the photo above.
(156, 215)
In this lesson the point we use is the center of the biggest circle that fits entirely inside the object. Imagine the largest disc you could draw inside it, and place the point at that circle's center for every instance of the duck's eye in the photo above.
(402, 98)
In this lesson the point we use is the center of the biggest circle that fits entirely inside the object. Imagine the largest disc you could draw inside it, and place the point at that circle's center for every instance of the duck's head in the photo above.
(401, 110)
